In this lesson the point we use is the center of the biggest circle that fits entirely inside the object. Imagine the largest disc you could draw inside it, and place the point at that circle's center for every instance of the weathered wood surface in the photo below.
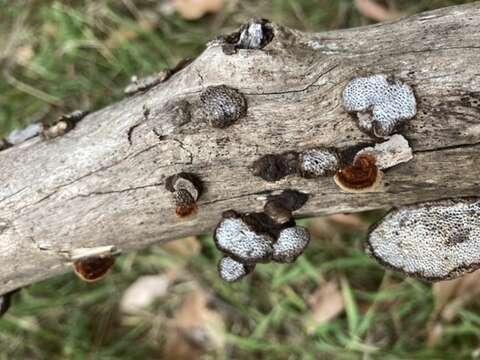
(103, 182)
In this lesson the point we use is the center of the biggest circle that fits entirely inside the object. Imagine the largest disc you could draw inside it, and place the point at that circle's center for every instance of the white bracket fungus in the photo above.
(381, 104)
(432, 241)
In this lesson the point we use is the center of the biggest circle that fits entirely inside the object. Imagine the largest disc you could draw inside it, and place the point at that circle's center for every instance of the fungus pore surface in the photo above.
(231, 270)
(382, 104)
(238, 239)
(222, 106)
(290, 244)
(319, 162)
(431, 241)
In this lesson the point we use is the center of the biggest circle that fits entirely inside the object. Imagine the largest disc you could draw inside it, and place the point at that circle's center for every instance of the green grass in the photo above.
(59, 56)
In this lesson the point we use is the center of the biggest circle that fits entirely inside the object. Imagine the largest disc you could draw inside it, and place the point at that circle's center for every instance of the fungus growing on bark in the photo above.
(255, 35)
(19, 136)
(291, 243)
(222, 106)
(362, 176)
(64, 124)
(231, 270)
(382, 104)
(392, 152)
(94, 268)
(280, 207)
(186, 189)
(318, 162)
(432, 241)
(244, 238)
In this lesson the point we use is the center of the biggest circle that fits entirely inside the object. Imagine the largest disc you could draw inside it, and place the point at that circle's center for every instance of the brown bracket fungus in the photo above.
(222, 106)
(94, 268)
(255, 35)
(186, 189)
(380, 103)
(64, 124)
(92, 264)
(280, 207)
(431, 241)
(362, 176)
(231, 270)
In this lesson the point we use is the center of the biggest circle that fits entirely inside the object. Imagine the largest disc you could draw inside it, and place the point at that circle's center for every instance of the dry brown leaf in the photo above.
(375, 11)
(195, 329)
(143, 292)
(450, 297)
(326, 303)
(348, 221)
(186, 247)
(195, 9)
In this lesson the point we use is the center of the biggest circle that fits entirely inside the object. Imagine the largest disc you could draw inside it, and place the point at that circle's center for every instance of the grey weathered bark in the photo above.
(103, 182)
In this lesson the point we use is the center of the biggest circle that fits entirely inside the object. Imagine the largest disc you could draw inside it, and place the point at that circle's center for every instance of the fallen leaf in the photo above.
(195, 9)
(450, 297)
(195, 329)
(375, 11)
(326, 303)
(186, 247)
(143, 292)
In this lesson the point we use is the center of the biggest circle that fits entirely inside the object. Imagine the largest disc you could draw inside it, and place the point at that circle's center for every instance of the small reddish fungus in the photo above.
(94, 268)
(362, 176)
(186, 189)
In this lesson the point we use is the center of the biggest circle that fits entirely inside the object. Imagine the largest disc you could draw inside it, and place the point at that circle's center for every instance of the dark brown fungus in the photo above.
(222, 106)
(273, 167)
(94, 268)
(362, 176)
(186, 189)
(5, 301)
(280, 207)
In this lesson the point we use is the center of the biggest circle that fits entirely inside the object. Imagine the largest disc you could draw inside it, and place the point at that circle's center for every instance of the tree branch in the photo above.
(103, 183)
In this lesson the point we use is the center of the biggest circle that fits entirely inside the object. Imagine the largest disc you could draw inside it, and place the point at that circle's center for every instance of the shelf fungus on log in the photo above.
(222, 106)
(186, 189)
(360, 177)
(381, 103)
(390, 153)
(231, 270)
(431, 241)
(92, 264)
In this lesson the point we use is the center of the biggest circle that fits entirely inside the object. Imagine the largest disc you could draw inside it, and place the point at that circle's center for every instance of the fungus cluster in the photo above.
(248, 239)
(316, 162)
(432, 241)
(381, 104)
(186, 189)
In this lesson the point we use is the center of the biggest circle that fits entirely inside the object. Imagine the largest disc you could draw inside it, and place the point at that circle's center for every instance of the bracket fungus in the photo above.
(431, 241)
(311, 163)
(243, 238)
(64, 124)
(392, 152)
(231, 270)
(248, 239)
(360, 177)
(222, 106)
(382, 104)
(319, 162)
(186, 189)
(291, 243)
(255, 35)
(92, 264)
